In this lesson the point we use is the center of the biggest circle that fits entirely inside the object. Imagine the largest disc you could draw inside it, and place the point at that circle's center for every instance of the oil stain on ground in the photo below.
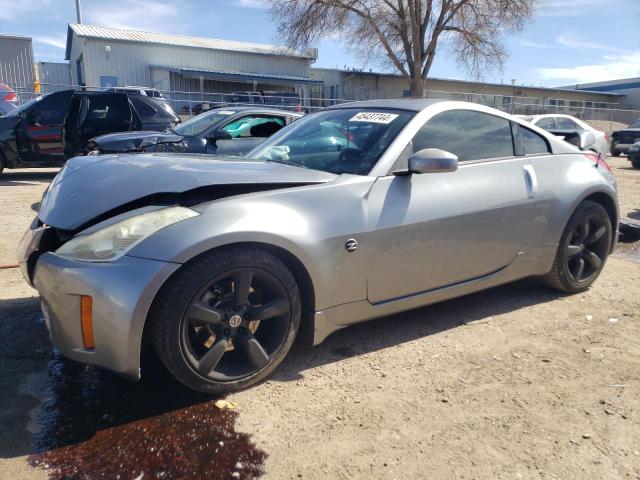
(95, 425)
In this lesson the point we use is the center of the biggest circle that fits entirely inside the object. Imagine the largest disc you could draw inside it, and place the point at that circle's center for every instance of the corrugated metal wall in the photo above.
(130, 62)
(51, 73)
(16, 62)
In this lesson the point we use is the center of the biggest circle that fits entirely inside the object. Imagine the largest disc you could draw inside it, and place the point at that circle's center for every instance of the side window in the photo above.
(252, 126)
(108, 107)
(530, 142)
(567, 124)
(469, 135)
(143, 109)
(546, 123)
(49, 110)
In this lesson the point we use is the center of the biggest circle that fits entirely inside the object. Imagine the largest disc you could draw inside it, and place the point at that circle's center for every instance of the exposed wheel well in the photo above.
(609, 205)
(300, 273)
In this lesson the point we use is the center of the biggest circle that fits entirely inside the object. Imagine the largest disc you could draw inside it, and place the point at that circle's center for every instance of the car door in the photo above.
(40, 133)
(440, 229)
(106, 113)
(247, 132)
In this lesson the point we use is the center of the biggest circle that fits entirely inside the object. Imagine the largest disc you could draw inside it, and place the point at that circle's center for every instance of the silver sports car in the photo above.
(357, 211)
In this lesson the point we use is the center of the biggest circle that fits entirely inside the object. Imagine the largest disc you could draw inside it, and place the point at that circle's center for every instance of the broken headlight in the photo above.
(113, 241)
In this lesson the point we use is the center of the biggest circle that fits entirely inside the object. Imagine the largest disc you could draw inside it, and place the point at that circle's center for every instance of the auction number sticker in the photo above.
(374, 117)
(225, 112)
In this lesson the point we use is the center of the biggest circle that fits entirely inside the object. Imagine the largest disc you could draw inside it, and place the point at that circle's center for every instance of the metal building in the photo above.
(16, 62)
(109, 57)
(53, 75)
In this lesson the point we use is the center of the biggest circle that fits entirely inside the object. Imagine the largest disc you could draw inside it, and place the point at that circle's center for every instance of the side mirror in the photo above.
(433, 160)
(587, 139)
(218, 135)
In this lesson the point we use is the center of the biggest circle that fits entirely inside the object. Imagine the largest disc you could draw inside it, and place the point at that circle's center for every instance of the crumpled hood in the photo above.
(133, 141)
(90, 186)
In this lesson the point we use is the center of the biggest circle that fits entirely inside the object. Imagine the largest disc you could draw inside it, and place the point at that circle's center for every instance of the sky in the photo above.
(568, 42)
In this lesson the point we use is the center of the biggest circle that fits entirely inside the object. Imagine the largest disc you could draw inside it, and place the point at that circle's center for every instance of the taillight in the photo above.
(597, 160)
(10, 97)
(606, 137)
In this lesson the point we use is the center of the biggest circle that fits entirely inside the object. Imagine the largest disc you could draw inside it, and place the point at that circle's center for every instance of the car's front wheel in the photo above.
(226, 319)
(583, 249)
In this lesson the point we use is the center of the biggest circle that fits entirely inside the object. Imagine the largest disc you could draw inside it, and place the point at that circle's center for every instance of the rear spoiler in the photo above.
(578, 138)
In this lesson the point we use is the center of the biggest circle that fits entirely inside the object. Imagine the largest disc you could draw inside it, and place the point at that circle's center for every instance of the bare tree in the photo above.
(407, 32)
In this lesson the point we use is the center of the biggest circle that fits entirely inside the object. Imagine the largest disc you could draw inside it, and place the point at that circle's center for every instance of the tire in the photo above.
(634, 164)
(206, 340)
(582, 251)
(615, 153)
(1, 163)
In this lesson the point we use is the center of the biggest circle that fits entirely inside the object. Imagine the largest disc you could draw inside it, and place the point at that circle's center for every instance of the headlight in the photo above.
(112, 242)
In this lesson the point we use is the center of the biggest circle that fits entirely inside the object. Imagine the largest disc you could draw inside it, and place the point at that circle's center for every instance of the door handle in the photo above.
(530, 180)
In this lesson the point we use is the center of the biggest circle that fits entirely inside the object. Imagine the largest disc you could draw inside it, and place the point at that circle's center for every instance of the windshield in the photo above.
(635, 124)
(202, 122)
(349, 140)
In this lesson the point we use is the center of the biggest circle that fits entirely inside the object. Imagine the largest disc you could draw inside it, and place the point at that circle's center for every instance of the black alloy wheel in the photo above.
(236, 328)
(224, 332)
(587, 248)
(583, 249)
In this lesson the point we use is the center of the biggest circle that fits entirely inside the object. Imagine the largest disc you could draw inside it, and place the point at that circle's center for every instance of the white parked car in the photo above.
(556, 122)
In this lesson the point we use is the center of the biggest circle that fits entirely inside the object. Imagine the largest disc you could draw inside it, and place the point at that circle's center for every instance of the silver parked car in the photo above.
(357, 211)
(597, 141)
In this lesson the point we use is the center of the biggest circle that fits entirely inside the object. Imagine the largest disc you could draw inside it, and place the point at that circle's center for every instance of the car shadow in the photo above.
(48, 403)
(407, 326)
(22, 178)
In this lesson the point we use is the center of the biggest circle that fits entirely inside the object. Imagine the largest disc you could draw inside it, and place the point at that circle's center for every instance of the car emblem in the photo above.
(351, 245)
(235, 321)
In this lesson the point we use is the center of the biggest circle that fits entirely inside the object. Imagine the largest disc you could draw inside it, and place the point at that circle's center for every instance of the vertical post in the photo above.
(79, 11)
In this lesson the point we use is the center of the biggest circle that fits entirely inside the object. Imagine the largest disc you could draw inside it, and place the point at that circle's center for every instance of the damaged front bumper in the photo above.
(122, 293)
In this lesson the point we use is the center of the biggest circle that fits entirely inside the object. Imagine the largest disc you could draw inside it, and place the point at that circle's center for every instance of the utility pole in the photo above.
(79, 11)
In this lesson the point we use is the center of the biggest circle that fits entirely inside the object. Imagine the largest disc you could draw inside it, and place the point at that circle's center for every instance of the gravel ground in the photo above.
(514, 382)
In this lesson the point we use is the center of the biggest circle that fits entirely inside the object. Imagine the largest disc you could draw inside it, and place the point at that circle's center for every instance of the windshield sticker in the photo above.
(225, 112)
(374, 117)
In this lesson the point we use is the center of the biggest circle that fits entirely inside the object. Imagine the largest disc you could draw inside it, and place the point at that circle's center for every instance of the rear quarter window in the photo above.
(532, 143)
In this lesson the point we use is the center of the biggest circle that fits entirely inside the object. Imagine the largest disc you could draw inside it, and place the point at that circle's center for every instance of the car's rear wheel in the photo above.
(583, 249)
(226, 320)
(615, 153)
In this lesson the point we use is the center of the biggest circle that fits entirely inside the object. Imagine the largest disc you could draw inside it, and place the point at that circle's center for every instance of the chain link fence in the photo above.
(189, 103)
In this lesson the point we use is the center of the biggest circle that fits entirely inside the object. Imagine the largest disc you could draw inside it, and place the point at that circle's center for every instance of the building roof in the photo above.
(469, 82)
(14, 37)
(109, 33)
(245, 76)
(609, 86)
(415, 104)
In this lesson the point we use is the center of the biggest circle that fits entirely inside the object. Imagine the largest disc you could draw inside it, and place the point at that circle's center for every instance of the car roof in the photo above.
(410, 103)
(257, 110)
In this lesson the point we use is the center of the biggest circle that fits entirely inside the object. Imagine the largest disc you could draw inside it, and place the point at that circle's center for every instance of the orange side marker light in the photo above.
(86, 319)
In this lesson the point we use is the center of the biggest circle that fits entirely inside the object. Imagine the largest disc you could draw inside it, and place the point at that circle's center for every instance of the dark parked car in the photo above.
(47, 130)
(634, 155)
(621, 140)
(274, 99)
(221, 131)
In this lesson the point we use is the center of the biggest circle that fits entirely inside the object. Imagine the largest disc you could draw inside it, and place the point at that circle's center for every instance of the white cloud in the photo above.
(570, 41)
(612, 68)
(58, 42)
(252, 3)
(11, 10)
(151, 15)
(572, 8)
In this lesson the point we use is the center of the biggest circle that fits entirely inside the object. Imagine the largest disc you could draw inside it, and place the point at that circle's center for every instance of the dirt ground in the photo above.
(515, 382)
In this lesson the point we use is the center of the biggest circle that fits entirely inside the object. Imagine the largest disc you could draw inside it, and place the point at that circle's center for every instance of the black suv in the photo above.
(47, 130)
(621, 140)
